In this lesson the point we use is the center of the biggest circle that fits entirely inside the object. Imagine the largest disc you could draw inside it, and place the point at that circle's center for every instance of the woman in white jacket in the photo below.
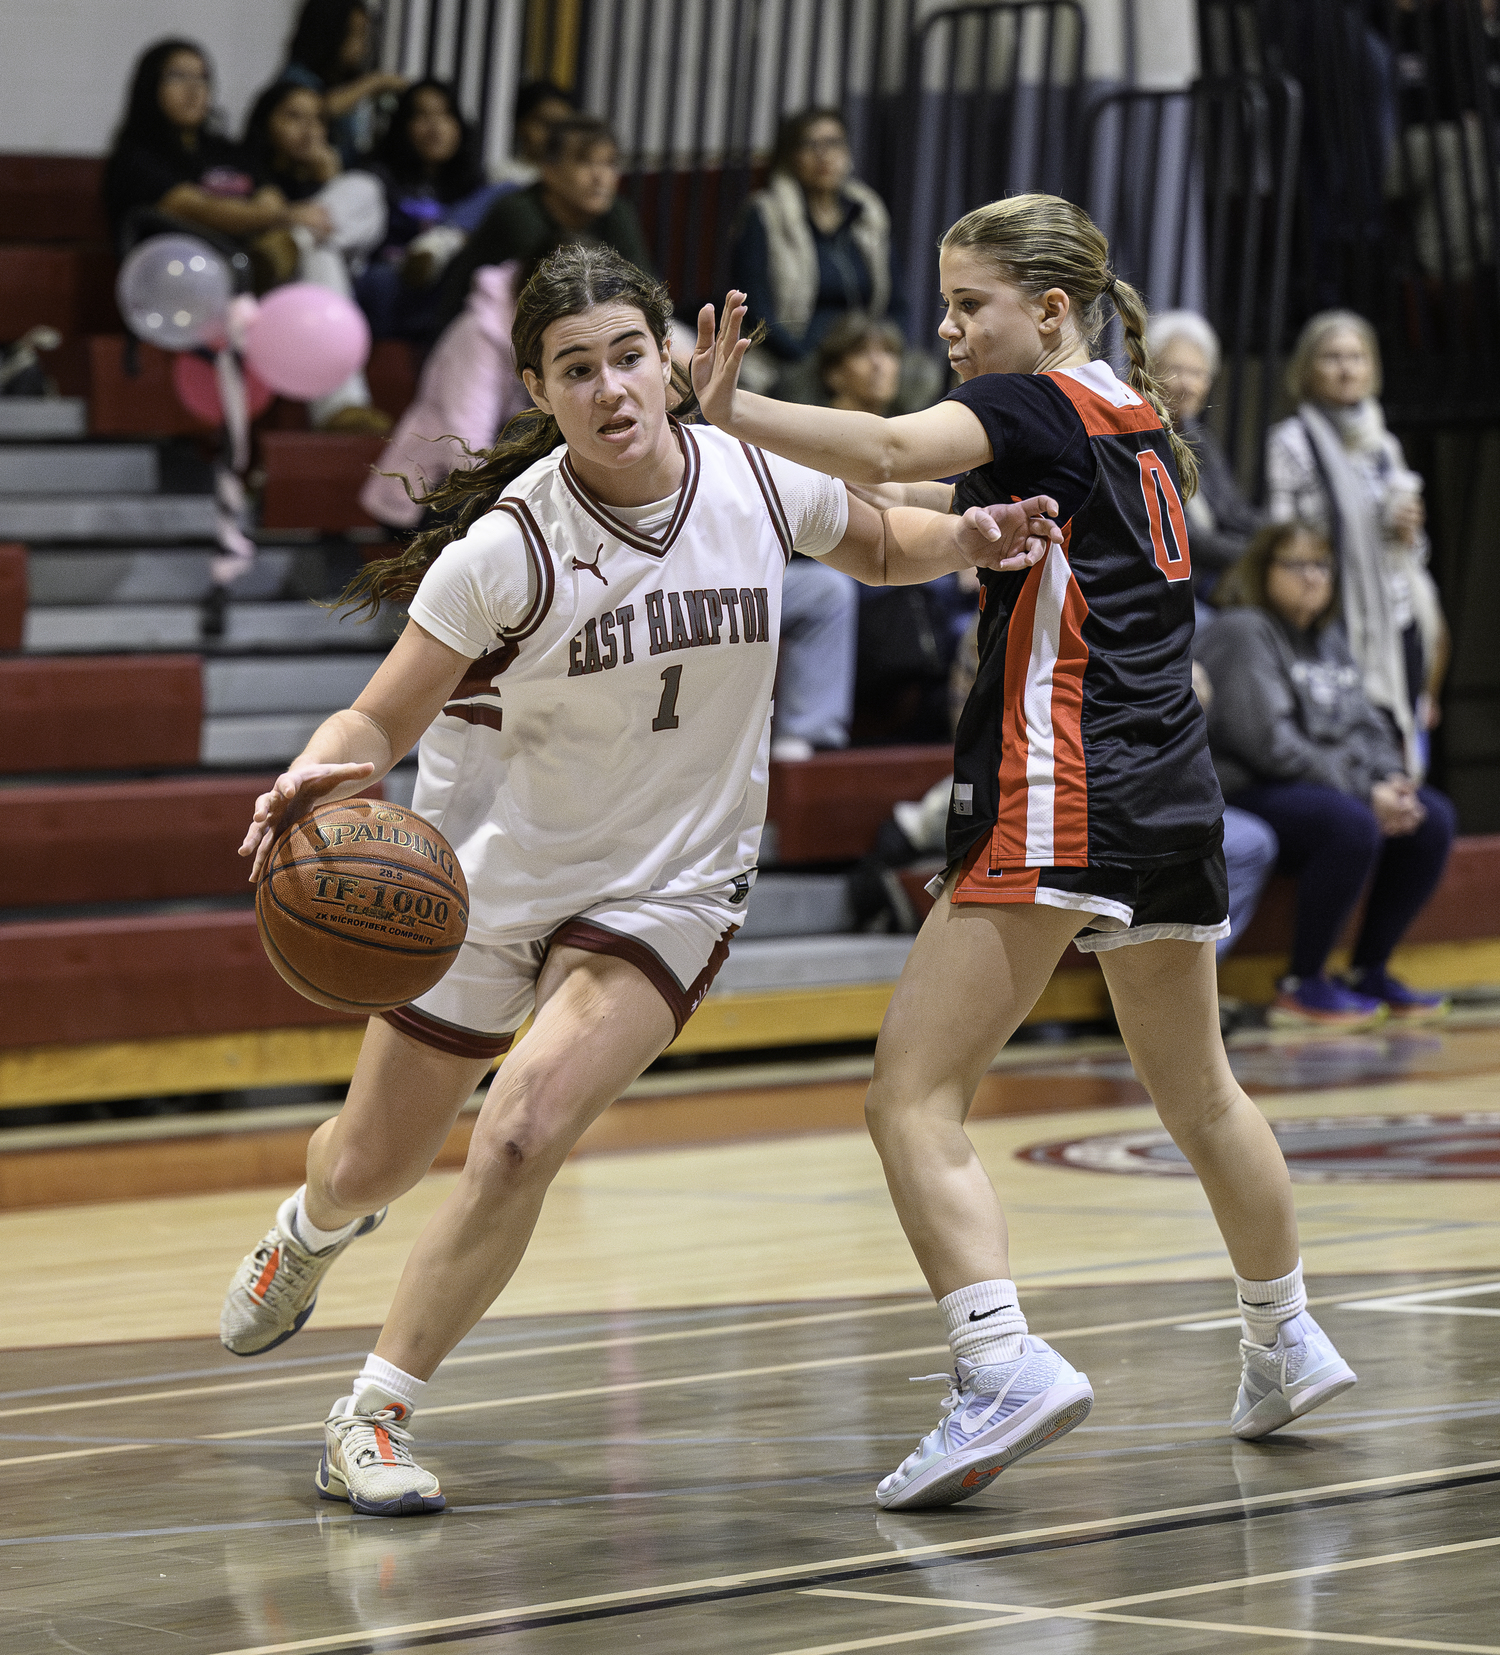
(1334, 466)
(813, 245)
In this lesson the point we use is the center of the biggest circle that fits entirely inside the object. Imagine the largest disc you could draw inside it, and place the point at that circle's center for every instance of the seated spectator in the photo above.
(467, 392)
(814, 702)
(171, 170)
(1334, 465)
(1297, 742)
(577, 198)
(287, 148)
(436, 197)
(1185, 358)
(330, 53)
(538, 105)
(865, 365)
(812, 245)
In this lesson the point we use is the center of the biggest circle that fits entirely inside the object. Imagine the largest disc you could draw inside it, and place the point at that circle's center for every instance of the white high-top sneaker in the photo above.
(1281, 1382)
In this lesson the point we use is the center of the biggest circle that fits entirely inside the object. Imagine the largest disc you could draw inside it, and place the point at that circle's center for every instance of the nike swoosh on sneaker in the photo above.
(980, 1315)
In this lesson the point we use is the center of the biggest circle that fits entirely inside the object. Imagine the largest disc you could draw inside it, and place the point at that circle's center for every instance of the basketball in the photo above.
(362, 905)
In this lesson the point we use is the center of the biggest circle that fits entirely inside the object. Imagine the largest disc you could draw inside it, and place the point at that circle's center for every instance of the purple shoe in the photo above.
(1399, 1000)
(1303, 1002)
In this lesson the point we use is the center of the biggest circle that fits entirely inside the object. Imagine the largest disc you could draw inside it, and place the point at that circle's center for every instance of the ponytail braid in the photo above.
(1042, 241)
(1132, 313)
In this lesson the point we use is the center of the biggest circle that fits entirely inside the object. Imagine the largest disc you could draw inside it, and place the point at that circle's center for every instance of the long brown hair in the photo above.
(566, 283)
(1042, 241)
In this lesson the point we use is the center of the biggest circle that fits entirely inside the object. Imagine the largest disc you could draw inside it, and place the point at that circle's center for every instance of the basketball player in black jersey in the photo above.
(1084, 809)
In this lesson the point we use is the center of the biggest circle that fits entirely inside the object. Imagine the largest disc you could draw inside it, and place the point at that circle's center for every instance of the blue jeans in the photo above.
(1250, 851)
(819, 637)
(1332, 844)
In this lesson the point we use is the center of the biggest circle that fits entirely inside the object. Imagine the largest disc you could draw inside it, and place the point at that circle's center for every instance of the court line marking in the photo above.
(1097, 1609)
(628, 1341)
(1423, 1304)
(791, 1572)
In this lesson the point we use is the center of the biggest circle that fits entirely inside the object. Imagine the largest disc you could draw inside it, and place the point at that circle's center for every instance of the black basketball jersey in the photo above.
(1082, 741)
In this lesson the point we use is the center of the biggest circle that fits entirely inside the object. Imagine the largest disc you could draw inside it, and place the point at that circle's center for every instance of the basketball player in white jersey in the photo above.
(588, 665)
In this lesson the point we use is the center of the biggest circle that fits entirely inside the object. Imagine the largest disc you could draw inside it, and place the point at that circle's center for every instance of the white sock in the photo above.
(308, 1233)
(404, 1387)
(1265, 1305)
(985, 1324)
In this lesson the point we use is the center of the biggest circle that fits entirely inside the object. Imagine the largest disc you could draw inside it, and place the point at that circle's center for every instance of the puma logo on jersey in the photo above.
(593, 568)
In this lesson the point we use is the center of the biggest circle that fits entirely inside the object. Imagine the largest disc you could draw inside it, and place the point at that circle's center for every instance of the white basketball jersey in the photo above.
(613, 741)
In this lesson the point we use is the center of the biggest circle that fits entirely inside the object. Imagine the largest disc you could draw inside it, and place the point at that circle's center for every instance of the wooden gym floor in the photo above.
(669, 1439)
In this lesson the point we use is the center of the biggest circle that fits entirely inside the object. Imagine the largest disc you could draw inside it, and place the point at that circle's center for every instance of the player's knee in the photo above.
(529, 1137)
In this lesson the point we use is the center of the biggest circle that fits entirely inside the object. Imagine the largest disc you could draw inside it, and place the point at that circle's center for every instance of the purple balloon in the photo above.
(306, 340)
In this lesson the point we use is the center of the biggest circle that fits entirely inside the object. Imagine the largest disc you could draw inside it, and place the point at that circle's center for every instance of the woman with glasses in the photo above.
(813, 245)
(1296, 739)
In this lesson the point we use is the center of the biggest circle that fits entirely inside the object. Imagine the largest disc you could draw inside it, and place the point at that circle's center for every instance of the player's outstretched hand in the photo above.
(295, 793)
(717, 358)
(1011, 536)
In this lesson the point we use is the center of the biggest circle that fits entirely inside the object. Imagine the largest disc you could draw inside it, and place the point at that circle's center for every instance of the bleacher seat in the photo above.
(12, 595)
(829, 807)
(52, 198)
(392, 374)
(313, 479)
(130, 391)
(152, 840)
(142, 977)
(103, 712)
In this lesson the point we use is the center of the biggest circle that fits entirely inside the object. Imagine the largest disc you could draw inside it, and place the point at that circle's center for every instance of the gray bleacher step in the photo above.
(796, 905)
(124, 627)
(112, 628)
(269, 738)
(79, 468)
(771, 963)
(35, 419)
(106, 517)
(169, 575)
(284, 684)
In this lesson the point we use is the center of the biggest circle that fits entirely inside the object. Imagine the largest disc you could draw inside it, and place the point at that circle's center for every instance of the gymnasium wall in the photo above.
(65, 62)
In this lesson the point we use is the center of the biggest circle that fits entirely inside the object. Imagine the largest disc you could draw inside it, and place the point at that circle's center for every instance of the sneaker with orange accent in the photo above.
(367, 1458)
(276, 1286)
(992, 1417)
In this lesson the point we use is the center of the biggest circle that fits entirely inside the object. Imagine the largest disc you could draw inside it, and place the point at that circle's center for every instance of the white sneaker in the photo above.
(367, 1458)
(1281, 1382)
(276, 1286)
(992, 1418)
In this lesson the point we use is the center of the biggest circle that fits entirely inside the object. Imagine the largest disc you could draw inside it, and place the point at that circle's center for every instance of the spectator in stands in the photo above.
(330, 53)
(1185, 358)
(172, 169)
(538, 105)
(1297, 741)
(1334, 465)
(864, 364)
(287, 149)
(436, 197)
(576, 198)
(812, 245)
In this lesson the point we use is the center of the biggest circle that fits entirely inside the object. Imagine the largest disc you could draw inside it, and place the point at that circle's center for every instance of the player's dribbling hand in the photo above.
(1011, 536)
(293, 794)
(717, 358)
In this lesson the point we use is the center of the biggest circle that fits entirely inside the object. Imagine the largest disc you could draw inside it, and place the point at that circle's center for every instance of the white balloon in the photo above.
(174, 291)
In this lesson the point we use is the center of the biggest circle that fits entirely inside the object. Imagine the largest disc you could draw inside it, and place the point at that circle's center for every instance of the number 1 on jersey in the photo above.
(666, 714)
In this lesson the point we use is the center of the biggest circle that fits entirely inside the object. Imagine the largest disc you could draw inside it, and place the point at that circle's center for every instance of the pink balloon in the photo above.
(306, 340)
(197, 388)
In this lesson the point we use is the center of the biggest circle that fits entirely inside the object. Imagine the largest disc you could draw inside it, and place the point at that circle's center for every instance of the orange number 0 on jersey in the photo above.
(1158, 488)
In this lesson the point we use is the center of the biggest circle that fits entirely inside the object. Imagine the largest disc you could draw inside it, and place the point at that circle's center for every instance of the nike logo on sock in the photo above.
(980, 1315)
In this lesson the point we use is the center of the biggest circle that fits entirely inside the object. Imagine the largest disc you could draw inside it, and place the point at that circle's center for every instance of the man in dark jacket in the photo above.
(576, 198)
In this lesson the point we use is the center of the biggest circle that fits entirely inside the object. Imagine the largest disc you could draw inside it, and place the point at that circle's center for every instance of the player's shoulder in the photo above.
(1107, 406)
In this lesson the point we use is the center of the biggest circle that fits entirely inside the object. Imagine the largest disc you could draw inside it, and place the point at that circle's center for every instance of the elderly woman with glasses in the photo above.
(1296, 740)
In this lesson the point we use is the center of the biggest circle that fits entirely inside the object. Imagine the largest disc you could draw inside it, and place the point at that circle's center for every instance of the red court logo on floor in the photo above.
(1347, 1149)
